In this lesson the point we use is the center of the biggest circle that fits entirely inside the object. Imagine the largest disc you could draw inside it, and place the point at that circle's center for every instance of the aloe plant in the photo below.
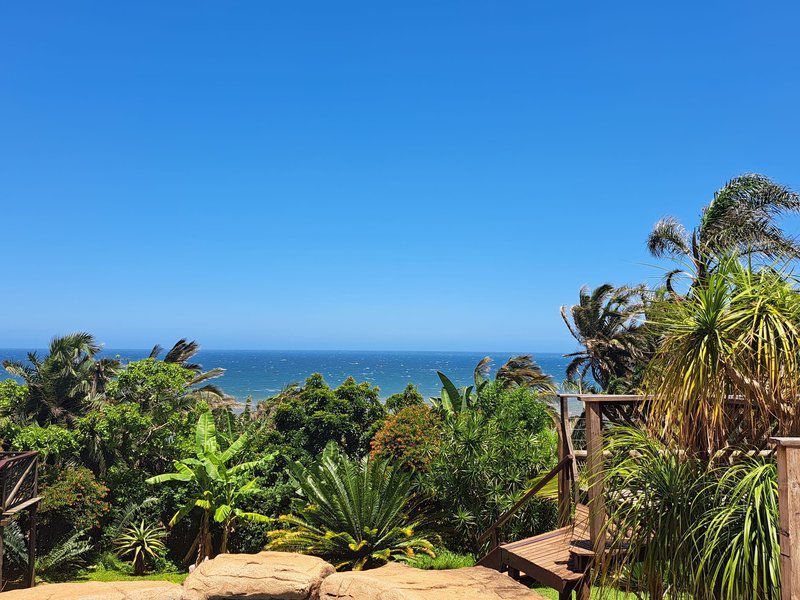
(219, 487)
(141, 541)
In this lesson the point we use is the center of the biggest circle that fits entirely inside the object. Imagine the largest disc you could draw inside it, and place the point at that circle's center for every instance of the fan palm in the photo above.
(60, 384)
(605, 323)
(742, 217)
(353, 513)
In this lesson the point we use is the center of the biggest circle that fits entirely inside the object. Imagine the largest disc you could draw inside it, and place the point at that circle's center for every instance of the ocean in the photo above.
(262, 373)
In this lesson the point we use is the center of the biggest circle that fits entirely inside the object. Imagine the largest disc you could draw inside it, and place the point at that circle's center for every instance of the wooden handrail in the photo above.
(506, 516)
(6, 458)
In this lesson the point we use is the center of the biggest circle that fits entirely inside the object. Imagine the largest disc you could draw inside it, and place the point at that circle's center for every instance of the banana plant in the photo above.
(219, 487)
(452, 400)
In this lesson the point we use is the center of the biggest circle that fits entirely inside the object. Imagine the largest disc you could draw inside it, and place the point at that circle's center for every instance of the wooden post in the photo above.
(789, 515)
(2, 549)
(564, 486)
(594, 468)
(30, 576)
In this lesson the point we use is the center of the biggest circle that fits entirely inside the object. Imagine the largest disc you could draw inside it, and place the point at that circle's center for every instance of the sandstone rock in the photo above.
(399, 582)
(100, 590)
(263, 576)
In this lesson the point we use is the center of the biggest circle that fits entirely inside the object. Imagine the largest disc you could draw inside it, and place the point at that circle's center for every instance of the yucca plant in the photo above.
(141, 542)
(355, 514)
(685, 527)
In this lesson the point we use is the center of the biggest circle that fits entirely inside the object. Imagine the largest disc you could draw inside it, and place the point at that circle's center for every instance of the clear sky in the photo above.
(366, 175)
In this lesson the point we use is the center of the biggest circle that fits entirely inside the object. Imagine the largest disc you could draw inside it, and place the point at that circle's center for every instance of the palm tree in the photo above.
(522, 371)
(740, 218)
(181, 353)
(605, 323)
(61, 383)
(219, 488)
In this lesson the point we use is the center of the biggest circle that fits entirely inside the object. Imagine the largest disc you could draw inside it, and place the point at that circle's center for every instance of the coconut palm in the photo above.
(522, 371)
(353, 513)
(742, 217)
(60, 384)
(606, 323)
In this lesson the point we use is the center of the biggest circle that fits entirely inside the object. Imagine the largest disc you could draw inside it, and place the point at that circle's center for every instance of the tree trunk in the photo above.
(223, 546)
(138, 565)
(205, 546)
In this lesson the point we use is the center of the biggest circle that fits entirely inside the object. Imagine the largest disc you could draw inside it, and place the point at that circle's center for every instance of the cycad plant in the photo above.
(218, 488)
(141, 542)
(356, 514)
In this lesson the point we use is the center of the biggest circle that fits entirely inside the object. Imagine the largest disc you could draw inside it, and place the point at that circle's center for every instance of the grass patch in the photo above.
(597, 593)
(444, 560)
(101, 574)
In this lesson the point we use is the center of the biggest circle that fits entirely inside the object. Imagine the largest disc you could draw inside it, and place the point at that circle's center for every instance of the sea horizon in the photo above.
(259, 374)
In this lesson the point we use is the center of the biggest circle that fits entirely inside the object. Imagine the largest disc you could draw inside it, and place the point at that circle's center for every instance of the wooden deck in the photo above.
(558, 559)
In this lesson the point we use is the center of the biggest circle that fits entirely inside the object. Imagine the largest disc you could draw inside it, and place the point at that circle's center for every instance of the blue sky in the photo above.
(410, 175)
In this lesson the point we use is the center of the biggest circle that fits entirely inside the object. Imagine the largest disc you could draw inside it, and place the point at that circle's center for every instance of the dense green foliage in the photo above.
(337, 472)
(149, 443)
(486, 460)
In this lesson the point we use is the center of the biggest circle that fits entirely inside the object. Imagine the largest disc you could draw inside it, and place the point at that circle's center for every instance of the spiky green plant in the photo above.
(141, 542)
(355, 514)
(735, 336)
(737, 537)
(682, 526)
(653, 503)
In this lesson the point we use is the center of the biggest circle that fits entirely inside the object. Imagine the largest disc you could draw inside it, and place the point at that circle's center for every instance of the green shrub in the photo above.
(486, 461)
(315, 414)
(72, 500)
(410, 396)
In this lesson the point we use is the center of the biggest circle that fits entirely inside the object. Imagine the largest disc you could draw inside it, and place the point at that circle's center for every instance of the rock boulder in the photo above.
(262, 576)
(398, 582)
(100, 590)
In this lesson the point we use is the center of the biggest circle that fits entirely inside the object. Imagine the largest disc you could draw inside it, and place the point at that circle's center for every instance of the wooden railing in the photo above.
(18, 479)
(19, 483)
